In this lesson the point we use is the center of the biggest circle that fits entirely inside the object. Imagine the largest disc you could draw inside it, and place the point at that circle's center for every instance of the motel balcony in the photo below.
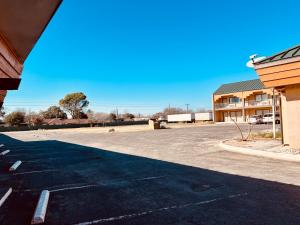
(248, 104)
(253, 103)
(228, 105)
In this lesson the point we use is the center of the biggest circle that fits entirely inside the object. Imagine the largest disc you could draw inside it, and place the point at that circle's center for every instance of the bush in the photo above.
(15, 118)
(34, 119)
(128, 116)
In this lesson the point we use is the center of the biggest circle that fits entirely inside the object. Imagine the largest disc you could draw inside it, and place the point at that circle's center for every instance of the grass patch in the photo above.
(267, 134)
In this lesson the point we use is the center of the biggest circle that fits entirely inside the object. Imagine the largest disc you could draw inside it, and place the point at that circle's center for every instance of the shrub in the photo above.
(15, 118)
(268, 134)
(34, 119)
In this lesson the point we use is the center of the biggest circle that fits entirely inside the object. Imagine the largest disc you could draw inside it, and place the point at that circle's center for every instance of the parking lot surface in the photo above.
(172, 176)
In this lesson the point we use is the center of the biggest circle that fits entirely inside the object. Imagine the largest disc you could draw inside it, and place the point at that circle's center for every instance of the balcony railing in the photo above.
(250, 103)
(228, 105)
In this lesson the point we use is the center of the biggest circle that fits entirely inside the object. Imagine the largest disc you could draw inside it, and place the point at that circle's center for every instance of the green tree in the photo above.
(15, 118)
(74, 104)
(54, 112)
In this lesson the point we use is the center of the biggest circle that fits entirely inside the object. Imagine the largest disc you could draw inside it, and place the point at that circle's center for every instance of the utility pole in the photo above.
(187, 108)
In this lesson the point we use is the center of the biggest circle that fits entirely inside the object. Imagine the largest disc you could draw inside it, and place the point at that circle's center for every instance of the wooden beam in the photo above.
(9, 83)
(8, 58)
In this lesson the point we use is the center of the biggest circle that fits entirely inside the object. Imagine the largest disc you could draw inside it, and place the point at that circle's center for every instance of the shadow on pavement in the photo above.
(94, 185)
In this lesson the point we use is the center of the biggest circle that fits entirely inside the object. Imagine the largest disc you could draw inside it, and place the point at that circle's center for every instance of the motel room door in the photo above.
(226, 117)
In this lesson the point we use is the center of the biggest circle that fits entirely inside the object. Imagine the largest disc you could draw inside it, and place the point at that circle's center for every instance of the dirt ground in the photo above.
(170, 176)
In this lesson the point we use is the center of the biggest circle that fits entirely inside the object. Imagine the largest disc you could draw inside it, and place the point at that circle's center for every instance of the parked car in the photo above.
(256, 119)
(268, 118)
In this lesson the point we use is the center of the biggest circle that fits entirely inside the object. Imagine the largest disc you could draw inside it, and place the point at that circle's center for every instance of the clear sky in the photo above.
(141, 55)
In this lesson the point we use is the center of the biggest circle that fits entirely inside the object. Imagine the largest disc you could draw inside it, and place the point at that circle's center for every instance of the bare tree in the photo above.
(243, 138)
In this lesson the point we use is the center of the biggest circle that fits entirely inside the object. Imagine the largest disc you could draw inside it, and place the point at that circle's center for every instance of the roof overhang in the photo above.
(23, 22)
(279, 73)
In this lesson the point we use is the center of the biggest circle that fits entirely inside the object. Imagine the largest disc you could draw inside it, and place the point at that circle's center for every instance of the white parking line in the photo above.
(35, 171)
(55, 186)
(161, 209)
(24, 153)
(103, 184)
(73, 188)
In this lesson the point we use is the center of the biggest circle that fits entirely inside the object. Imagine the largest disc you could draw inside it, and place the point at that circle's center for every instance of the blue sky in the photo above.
(141, 56)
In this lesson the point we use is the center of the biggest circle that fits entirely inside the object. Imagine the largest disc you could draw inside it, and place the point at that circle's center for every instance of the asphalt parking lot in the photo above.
(175, 176)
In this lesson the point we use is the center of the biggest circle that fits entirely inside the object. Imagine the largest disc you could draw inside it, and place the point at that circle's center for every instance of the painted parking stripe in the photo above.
(41, 208)
(15, 165)
(104, 184)
(5, 196)
(74, 188)
(55, 187)
(35, 171)
(24, 153)
(4, 152)
(110, 219)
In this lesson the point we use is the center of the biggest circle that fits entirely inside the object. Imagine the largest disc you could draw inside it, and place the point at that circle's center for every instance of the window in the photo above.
(224, 100)
(234, 100)
(261, 97)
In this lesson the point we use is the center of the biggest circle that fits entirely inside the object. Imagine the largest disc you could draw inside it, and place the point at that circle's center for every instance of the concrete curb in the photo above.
(254, 152)
(4, 152)
(41, 208)
(15, 166)
(5, 196)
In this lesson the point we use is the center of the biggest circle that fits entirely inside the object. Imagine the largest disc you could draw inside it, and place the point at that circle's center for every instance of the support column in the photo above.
(273, 112)
(243, 110)
(213, 108)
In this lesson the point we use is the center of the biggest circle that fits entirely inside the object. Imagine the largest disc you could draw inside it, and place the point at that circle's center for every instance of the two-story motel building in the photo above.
(241, 100)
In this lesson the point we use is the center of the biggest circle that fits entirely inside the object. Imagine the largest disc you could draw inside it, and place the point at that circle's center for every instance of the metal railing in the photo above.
(228, 105)
(267, 102)
(248, 103)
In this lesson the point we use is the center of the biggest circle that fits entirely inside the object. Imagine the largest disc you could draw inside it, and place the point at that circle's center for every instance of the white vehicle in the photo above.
(205, 116)
(256, 119)
(188, 117)
(268, 118)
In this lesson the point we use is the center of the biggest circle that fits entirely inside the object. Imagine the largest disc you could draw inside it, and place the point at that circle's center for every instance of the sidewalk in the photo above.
(268, 148)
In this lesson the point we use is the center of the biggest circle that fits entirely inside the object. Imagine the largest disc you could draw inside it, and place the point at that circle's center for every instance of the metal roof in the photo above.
(247, 85)
(287, 54)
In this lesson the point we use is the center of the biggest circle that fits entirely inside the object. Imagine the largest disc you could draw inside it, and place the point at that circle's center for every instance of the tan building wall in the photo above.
(291, 115)
(284, 75)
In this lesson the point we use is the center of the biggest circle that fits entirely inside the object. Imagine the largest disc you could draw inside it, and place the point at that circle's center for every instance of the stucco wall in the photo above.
(291, 115)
